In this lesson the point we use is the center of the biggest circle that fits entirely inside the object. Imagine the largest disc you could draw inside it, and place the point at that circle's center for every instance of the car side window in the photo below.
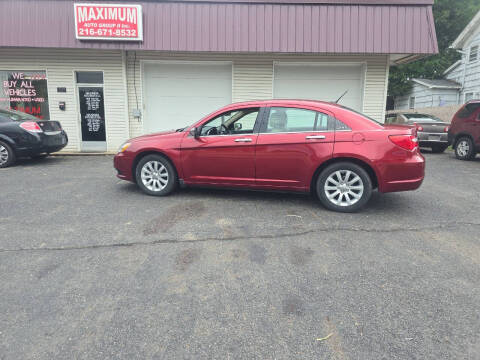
(282, 119)
(337, 125)
(236, 122)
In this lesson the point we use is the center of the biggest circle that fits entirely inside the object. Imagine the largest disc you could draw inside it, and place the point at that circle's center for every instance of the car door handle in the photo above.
(243, 140)
(313, 137)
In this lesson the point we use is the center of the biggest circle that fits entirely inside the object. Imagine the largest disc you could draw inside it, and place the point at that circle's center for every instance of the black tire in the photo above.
(438, 149)
(464, 148)
(7, 156)
(158, 175)
(338, 202)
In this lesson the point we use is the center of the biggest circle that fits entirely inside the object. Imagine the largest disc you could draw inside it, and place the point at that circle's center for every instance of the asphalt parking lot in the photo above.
(90, 268)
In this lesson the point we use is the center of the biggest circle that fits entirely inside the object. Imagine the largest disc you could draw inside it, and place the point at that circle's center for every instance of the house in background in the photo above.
(429, 93)
(461, 81)
(467, 70)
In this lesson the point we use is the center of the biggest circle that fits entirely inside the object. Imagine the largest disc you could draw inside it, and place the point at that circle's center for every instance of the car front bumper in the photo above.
(122, 162)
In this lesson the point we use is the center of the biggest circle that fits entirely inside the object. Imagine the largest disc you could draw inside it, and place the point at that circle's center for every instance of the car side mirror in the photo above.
(195, 132)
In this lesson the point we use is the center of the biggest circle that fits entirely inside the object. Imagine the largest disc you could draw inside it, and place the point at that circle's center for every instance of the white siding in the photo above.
(60, 66)
(468, 73)
(253, 77)
(427, 98)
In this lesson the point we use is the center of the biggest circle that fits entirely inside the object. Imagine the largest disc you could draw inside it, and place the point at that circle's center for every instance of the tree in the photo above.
(451, 17)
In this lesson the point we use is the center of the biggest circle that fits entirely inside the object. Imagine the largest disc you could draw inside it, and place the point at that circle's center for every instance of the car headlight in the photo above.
(124, 147)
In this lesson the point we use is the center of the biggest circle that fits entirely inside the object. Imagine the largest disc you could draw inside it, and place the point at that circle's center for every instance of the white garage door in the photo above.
(179, 94)
(320, 82)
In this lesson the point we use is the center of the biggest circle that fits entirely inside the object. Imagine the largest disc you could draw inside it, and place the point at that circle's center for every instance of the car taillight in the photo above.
(407, 142)
(31, 126)
(446, 129)
(419, 128)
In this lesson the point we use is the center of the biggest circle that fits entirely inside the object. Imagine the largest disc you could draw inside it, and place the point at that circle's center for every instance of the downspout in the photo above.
(464, 75)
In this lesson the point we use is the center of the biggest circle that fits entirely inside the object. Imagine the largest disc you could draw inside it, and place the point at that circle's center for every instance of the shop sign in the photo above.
(25, 91)
(108, 22)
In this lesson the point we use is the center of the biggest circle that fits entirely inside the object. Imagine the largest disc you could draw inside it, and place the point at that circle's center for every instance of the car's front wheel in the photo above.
(464, 148)
(344, 187)
(155, 175)
(7, 156)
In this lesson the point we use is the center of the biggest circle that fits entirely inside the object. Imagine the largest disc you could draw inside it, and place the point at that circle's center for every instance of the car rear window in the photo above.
(363, 115)
(422, 117)
(16, 115)
(468, 110)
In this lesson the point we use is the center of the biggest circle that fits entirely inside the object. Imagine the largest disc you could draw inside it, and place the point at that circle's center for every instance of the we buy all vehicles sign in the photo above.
(108, 22)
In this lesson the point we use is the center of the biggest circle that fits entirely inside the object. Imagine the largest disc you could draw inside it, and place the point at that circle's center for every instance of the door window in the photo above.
(282, 120)
(236, 122)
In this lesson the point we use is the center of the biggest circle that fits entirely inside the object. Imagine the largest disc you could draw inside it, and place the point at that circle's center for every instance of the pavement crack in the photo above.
(239, 237)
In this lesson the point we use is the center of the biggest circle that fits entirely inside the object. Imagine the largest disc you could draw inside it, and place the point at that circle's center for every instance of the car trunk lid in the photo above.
(431, 127)
(49, 126)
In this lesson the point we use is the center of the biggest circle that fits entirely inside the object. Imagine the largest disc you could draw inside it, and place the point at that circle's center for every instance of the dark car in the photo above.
(295, 145)
(464, 133)
(432, 132)
(23, 135)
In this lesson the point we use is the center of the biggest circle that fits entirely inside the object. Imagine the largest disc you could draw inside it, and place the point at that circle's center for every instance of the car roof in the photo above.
(287, 102)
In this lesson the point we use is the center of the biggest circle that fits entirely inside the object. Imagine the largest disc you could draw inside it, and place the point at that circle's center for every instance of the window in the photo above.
(235, 122)
(411, 104)
(89, 77)
(473, 54)
(296, 120)
(25, 91)
(469, 96)
(468, 110)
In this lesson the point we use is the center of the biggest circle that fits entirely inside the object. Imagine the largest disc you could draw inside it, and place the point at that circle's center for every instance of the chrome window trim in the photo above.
(203, 136)
(304, 132)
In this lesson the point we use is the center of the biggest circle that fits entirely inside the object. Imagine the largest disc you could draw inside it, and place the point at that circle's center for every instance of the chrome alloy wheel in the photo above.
(344, 188)
(154, 176)
(3, 155)
(463, 148)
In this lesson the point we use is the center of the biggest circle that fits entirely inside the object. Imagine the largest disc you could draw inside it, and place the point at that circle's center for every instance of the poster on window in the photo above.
(25, 91)
(92, 113)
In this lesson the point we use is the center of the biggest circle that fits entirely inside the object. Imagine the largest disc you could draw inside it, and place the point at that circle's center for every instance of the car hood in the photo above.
(157, 135)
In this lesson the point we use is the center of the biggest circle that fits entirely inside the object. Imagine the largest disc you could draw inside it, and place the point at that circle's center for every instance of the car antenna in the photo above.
(341, 96)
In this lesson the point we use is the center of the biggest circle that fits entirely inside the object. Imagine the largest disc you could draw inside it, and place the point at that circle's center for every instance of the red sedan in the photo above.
(296, 145)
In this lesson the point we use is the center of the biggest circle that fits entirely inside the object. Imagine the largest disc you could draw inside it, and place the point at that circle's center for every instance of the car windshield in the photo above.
(421, 118)
(17, 115)
(359, 113)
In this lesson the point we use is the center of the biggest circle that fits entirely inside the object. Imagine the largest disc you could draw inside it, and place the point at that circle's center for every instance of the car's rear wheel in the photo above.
(464, 149)
(439, 148)
(155, 175)
(344, 187)
(7, 156)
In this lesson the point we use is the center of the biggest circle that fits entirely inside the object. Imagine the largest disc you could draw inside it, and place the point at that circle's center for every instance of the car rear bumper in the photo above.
(429, 139)
(403, 176)
(43, 144)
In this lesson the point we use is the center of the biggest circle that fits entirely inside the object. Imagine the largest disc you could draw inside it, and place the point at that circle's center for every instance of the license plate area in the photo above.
(434, 137)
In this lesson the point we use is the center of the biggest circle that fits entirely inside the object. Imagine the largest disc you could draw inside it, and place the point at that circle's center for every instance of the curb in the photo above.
(82, 154)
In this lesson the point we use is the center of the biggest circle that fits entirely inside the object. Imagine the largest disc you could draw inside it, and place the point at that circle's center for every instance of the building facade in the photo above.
(466, 71)
(177, 61)
(429, 94)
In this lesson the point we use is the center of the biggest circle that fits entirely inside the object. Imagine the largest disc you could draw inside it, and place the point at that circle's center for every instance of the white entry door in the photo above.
(179, 94)
(320, 82)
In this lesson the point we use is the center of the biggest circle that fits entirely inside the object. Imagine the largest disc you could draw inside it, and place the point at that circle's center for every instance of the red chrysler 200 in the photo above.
(295, 145)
